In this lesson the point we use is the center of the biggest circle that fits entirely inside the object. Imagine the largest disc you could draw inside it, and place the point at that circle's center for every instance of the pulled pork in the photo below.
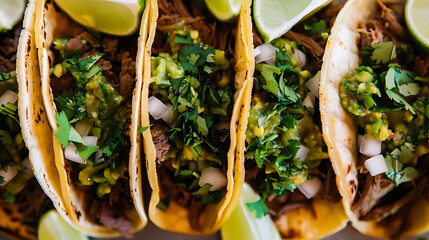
(160, 140)
(119, 70)
(109, 211)
(8, 46)
(378, 199)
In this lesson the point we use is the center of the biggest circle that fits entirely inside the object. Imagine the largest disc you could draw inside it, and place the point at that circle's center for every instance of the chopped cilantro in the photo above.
(9, 197)
(64, 127)
(397, 173)
(258, 207)
(143, 129)
(378, 54)
(314, 26)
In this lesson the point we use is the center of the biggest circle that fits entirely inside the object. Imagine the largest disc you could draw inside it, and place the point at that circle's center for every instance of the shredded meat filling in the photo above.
(160, 140)
(312, 46)
(8, 45)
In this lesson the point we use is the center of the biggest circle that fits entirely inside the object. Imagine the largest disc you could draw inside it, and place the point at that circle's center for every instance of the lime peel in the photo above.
(416, 17)
(116, 17)
(275, 17)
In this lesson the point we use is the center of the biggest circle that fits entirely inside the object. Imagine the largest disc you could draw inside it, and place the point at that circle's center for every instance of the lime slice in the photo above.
(11, 12)
(244, 224)
(53, 227)
(224, 10)
(116, 17)
(417, 18)
(275, 17)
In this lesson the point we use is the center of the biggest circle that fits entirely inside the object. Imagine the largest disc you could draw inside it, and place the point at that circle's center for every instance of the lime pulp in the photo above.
(243, 224)
(275, 17)
(224, 10)
(53, 227)
(116, 17)
(11, 12)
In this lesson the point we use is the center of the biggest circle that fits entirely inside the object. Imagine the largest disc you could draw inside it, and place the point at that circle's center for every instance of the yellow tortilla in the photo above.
(176, 217)
(49, 24)
(340, 129)
(327, 218)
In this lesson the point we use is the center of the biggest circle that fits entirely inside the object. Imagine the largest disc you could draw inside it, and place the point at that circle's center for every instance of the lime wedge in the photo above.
(11, 12)
(417, 18)
(275, 17)
(53, 227)
(244, 224)
(224, 10)
(116, 17)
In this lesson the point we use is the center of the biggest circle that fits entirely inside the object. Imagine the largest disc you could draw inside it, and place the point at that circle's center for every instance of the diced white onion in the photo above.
(98, 157)
(158, 110)
(168, 117)
(256, 51)
(302, 153)
(90, 140)
(265, 52)
(8, 97)
(376, 165)
(370, 146)
(313, 84)
(213, 176)
(82, 127)
(308, 100)
(311, 187)
(300, 57)
(70, 152)
(26, 167)
(7, 175)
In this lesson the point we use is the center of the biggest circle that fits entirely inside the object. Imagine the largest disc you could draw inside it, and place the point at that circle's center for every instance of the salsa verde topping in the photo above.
(195, 79)
(390, 103)
(92, 102)
(283, 135)
(15, 168)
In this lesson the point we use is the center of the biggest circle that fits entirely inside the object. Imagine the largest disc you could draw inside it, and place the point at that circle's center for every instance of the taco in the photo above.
(374, 110)
(286, 159)
(189, 117)
(22, 201)
(88, 82)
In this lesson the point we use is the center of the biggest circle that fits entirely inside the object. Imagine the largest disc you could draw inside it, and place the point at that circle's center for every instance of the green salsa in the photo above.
(390, 104)
(280, 128)
(195, 79)
(95, 103)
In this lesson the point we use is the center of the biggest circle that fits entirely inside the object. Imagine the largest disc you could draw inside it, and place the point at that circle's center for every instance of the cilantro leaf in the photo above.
(64, 127)
(378, 54)
(143, 129)
(397, 173)
(9, 197)
(258, 207)
(314, 26)
(85, 151)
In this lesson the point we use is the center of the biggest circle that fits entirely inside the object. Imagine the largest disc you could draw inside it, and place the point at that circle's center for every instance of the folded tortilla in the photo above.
(49, 23)
(176, 218)
(340, 128)
(323, 217)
